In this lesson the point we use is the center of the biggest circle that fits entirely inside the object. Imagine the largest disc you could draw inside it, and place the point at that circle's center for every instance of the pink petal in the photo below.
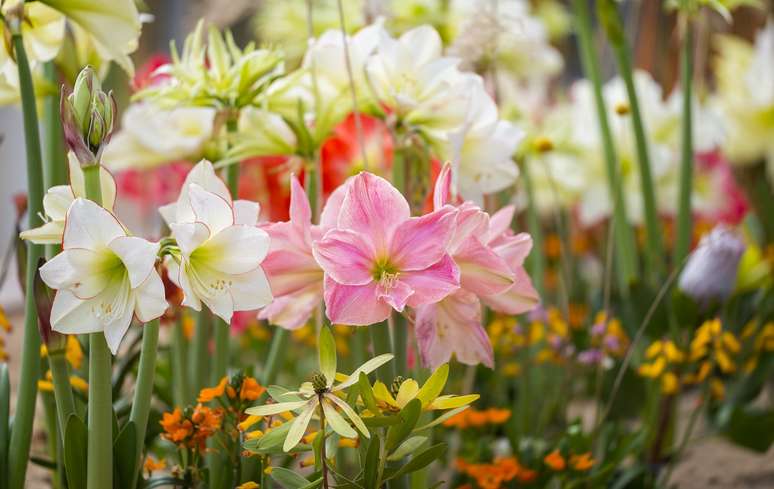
(395, 295)
(329, 217)
(514, 249)
(520, 298)
(346, 256)
(500, 222)
(482, 271)
(442, 191)
(355, 305)
(421, 241)
(289, 271)
(453, 326)
(374, 208)
(293, 310)
(433, 283)
(471, 221)
(300, 212)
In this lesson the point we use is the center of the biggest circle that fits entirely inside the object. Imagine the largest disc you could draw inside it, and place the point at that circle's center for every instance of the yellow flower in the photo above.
(151, 465)
(249, 422)
(4, 323)
(408, 390)
(248, 485)
(663, 356)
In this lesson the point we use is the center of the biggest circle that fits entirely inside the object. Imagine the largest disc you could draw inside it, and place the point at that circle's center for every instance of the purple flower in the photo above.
(710, 273)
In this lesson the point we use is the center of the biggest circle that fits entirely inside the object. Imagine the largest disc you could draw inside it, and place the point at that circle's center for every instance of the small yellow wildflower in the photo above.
(406, 390)
(248, 485)
(151, 465)
(663, 356)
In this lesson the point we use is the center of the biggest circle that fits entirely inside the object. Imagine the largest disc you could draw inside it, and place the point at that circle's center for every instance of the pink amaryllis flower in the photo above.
(295, 277)
(490, 259)
(379, 258)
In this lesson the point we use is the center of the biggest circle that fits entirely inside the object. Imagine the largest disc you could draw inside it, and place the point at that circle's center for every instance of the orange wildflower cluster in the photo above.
(557, 462)
(474, 418)
(498, 473)
(152, 465)
(249, 390)
(191, 428)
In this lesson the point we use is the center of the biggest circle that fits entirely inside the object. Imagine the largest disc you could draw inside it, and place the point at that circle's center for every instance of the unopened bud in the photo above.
(710, 274)
(87, 116)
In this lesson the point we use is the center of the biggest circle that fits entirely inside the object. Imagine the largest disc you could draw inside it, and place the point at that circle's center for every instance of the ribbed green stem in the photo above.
(21, 435)
(400, 343)
(63, 393)
(684, 222)
(276, 350)
(5, 413)
(143, 389)
(654, 246)
(199, 354)
(536, 260)
(625, 244)
(178, 361)
(99, 473)
(381, 343)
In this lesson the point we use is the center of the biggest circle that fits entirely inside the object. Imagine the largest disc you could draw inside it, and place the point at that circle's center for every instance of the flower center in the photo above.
(319, 383)
(385, 273)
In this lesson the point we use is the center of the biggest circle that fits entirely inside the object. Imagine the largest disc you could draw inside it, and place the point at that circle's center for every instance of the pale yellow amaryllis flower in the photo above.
(103, 276)
(406, 390)
(58, 199)
(43, 30)
(114, 26)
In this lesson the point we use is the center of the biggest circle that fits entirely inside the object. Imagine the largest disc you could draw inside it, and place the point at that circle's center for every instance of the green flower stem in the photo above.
(622, 52)
(178, 361)
(276, 350)
(684, 222)
(63, 393)
(198, 353)
(381, 343)
(536, 260)
(400, 343)
(143, 389)
(625, 244)
(5, 413)
(21, 435)
(99, 473)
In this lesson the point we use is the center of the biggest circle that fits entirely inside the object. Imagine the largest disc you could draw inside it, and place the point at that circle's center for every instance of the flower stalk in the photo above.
(684, 224)
(144, 389)
(21, 435)
(626, 259)
(381, 343)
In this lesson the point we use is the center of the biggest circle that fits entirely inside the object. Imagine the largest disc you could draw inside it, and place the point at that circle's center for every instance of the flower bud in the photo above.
(87, 116)
(710, 273)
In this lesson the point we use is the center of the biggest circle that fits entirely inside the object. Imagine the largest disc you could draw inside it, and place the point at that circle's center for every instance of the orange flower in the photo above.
(498, 416)
(209, 393)
(582, 462)
(152, 465)
(251, 389)
(526, 475)
(555, 461)
(175, 427)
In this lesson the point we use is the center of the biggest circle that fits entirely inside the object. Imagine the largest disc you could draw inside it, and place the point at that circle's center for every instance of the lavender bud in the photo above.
(710, 273)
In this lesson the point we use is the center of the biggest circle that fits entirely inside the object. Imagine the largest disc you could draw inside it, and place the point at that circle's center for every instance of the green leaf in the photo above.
(409, 416)
(380, 421)
(75, 452)
(270, 442)
(367, 393)
(751, 428)
(280, 394)
(326, 348)
(287, 478)
(125, 456)
(420, 460)
(409, 446)
(371, 469)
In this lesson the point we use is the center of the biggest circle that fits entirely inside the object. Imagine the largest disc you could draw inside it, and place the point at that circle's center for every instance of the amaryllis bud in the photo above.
(87, 116)
(710, 273)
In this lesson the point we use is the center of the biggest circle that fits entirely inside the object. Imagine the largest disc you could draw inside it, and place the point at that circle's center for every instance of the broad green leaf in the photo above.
(287, 478)
(409, 416)
(381, 421)
(280, 407)
(407, 447)
(326, 348)
(75, 451)
(433, 387)
(440, 419)
(421, 460)
(280, 394)
(367, 393)
(371, 466)
(125, 455)
(271, 441)
(751, 428)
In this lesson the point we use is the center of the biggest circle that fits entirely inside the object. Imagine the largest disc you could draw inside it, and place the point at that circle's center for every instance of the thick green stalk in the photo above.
(99, 472)
(653, 247)
(5, 413)
(625, 244)
(381, 343)
(536, 260)
(143, 390)
(199, 354)
(276, 350)
(21, 435)
(400, 343)
(684, 222)
(178, 361)
(63, 393)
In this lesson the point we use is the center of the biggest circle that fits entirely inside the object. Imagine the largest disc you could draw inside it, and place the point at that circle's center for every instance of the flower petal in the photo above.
(366, 368)
(353, 304)
(298, 428)
(90, 226)
(250, 290)
(500, 222)
(519, 298)
(150, 302)
(58, 272)
(329, 218)
(348, 257)
(190, 235)
(433, 283)
(292, 311)
(138, 256)
(351, 414)
(396, 294)
(210, 208)
(442, 190)
(246, 212)
(419, 242)
(275, 408)
(338, 424)
(482, 271)
(71, 315)
(236, 249)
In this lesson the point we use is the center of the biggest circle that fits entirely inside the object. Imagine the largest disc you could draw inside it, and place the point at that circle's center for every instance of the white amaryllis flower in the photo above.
(220, 247)
(151, 136)
(43, 31)
(113, 26)
(103, 276)
(57, 201)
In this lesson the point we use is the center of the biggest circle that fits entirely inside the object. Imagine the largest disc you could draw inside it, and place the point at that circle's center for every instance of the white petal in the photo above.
(169, 213)
(48, 233)
(90, 226)
(246, 212)
(222, 305)
(338, 423)
(93, 270)
(58, 272)
(57, 200)
(137, 254)
(250, 290)
(276, 408)
(298, 428)
(211, 209)
(150, 302)
(190, 235)
(190, 299)
(78, 182)
(236, 249)
(351, 414)
(71, 315)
